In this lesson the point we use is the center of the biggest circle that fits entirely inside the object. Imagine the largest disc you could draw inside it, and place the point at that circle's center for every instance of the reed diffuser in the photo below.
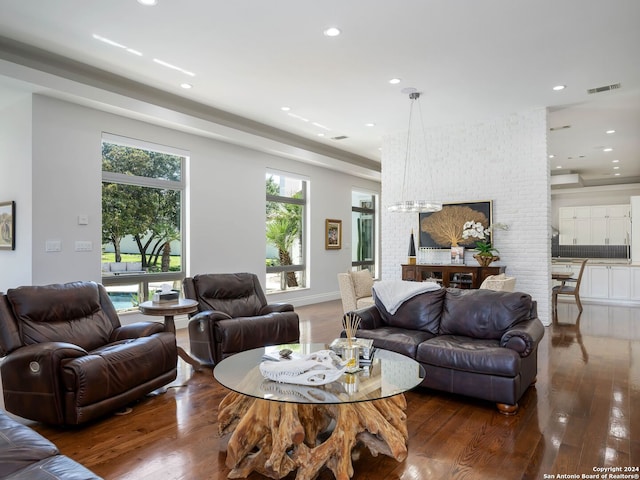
(350, 323)
(351, 353)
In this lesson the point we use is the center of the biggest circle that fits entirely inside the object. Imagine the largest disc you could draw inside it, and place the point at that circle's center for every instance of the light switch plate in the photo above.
(84, 245)
(83, 219)
(53, 246)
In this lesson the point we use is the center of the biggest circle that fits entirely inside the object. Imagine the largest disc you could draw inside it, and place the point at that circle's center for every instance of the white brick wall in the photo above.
(505, 161)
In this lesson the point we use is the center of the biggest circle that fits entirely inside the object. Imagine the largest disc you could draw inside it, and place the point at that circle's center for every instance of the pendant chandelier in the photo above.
(404, 206)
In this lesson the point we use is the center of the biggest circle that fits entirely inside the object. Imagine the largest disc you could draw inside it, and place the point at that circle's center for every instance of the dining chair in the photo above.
(573, 289)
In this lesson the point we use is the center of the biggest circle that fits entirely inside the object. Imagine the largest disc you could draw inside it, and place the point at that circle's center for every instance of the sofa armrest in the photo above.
(41, 364)
(136, 330)
(369, 317)
(276, 307)
(210, 315)
(523, 337)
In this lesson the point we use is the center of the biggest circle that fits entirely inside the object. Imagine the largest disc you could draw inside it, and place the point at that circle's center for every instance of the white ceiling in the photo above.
(474, 60)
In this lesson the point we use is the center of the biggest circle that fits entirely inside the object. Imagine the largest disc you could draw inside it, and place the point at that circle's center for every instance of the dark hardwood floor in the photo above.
(583, 413)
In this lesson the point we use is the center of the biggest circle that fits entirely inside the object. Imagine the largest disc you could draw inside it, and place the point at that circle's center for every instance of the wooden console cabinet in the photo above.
(459, 276)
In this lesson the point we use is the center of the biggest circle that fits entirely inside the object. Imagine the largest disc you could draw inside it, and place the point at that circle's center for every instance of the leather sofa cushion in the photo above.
(398, 340)
(59, 313)
(20, 446)
(483, 313)
(113, 369)
(422, 312)
(244, 333)
(477, 356)
(53, 468)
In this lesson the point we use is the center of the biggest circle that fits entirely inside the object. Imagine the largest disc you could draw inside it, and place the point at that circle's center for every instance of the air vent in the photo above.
(553, 129)
(341, 137)
(606, 88)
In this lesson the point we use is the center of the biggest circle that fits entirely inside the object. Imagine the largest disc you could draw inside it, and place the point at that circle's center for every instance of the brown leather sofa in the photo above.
(68, 360)
(479, 343)
(234, 316)
(27, 455)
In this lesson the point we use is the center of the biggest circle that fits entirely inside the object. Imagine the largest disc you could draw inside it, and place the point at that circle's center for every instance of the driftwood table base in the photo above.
(276, 438)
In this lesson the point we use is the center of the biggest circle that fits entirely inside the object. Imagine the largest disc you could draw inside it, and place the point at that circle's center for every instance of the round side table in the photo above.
(168, 311)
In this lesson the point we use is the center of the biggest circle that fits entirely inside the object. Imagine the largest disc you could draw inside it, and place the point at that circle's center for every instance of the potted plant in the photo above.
(487, 253)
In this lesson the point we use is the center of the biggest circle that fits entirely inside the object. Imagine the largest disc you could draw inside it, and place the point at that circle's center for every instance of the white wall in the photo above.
(226, 200)
(15, 184)
(504, 160)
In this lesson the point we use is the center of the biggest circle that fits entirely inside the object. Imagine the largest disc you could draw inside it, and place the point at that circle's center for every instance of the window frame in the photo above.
(373, 211)
(304, 203)
(143, 280)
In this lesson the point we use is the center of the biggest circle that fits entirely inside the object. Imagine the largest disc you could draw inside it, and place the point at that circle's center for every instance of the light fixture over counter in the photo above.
(405, 206)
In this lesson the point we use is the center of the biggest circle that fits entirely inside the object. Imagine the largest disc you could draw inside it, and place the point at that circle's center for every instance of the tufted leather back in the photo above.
(80, 313)
(236, 294)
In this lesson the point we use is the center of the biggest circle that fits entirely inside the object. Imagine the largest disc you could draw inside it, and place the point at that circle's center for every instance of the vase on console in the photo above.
(485, 260)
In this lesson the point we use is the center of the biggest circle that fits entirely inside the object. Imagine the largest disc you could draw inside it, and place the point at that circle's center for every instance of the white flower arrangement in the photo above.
(482, 235)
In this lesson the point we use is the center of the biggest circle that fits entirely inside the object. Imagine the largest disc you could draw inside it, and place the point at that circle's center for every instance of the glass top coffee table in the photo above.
(276, 428)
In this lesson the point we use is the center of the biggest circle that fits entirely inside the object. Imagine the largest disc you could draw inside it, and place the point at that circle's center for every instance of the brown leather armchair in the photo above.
(234, 316)
(67, 358)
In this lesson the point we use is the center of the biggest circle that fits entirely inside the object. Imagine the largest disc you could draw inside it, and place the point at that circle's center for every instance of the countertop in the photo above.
(595, 261)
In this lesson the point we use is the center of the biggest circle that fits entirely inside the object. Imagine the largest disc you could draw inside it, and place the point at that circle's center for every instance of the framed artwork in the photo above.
(333, 234)
(7, 225)
(443, 229)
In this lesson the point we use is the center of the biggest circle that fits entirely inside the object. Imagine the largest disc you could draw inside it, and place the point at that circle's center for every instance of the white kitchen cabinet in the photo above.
(610, 224)
(608, 282)
(596, 225)
(574, 225)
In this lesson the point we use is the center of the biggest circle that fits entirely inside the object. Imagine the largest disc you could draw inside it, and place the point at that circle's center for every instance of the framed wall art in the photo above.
(333, 234)
(443, 229)
(7, 225)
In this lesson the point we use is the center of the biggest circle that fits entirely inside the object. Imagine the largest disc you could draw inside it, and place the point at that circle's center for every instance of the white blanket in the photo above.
(393, 293)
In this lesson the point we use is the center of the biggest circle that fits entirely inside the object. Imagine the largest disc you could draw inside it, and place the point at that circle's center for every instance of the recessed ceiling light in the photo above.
(609, 132)
(608, 149)
(148, 3)
(559, 87)
(370, 124)
(395, 81)
(332, 32)
(615, 161)
(559, 166)
(617, 174)
(320, 134)
(552, 156)
(285, 109)
(186, 86)
(616, 167)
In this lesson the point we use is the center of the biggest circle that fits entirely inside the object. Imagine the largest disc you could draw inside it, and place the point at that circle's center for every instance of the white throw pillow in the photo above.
(362, 283)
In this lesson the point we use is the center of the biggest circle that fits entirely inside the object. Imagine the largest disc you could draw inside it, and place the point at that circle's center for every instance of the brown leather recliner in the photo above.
(234, 316)
(68, 360)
